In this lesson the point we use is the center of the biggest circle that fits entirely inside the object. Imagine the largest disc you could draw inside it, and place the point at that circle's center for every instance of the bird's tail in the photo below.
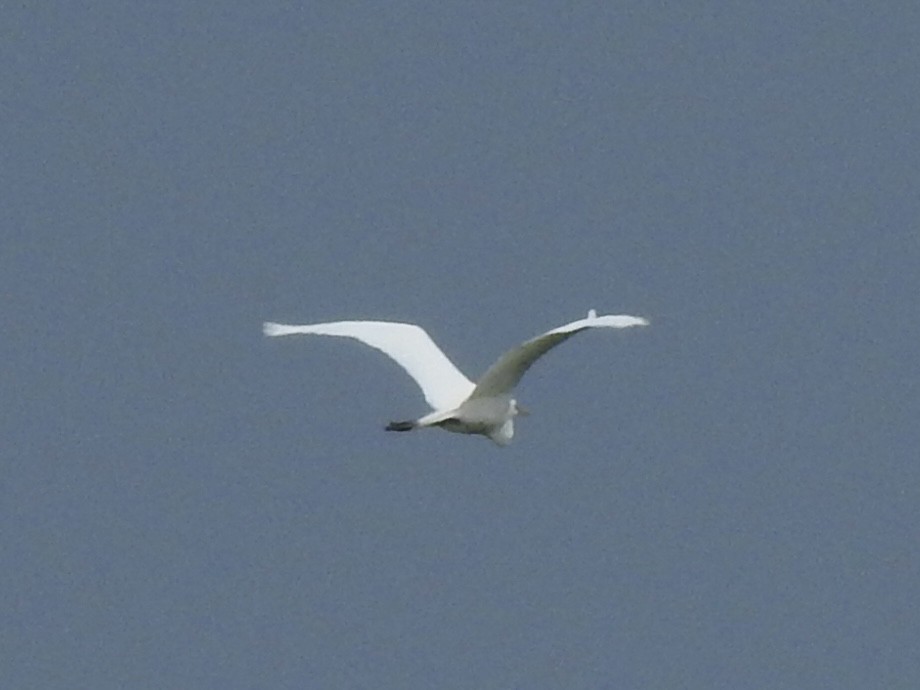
(400, 426)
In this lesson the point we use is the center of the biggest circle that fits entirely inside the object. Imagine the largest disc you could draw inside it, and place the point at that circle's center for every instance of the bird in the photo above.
(487, 407)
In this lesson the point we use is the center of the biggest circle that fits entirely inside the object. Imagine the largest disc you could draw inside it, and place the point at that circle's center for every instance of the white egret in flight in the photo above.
(459, 405)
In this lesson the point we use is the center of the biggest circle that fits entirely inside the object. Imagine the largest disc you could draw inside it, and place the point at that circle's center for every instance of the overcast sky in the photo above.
(729, 498)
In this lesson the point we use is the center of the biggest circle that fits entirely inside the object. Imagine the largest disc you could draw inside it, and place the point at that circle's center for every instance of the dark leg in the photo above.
(400, 426)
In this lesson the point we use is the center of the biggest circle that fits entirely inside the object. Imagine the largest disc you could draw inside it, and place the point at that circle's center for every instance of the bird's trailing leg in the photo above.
(400, 426)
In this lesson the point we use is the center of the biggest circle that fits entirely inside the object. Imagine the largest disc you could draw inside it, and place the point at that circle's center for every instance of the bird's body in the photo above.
(492, 417)
(486, 407)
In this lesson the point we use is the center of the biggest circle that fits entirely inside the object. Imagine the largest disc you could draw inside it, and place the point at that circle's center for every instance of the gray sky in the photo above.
(727, 499)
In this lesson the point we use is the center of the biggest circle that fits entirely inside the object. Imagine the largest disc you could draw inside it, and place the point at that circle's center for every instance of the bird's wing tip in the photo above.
(269, 328)
(615, 320)
(622, 320)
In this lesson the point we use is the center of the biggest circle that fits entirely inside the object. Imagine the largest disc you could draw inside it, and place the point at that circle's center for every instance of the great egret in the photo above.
(458, 404)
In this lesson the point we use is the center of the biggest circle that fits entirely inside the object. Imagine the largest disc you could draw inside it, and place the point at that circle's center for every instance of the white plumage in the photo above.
(458, 404)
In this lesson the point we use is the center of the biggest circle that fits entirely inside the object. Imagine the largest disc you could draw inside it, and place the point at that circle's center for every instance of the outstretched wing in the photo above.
(409, 346)
(504, 375)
